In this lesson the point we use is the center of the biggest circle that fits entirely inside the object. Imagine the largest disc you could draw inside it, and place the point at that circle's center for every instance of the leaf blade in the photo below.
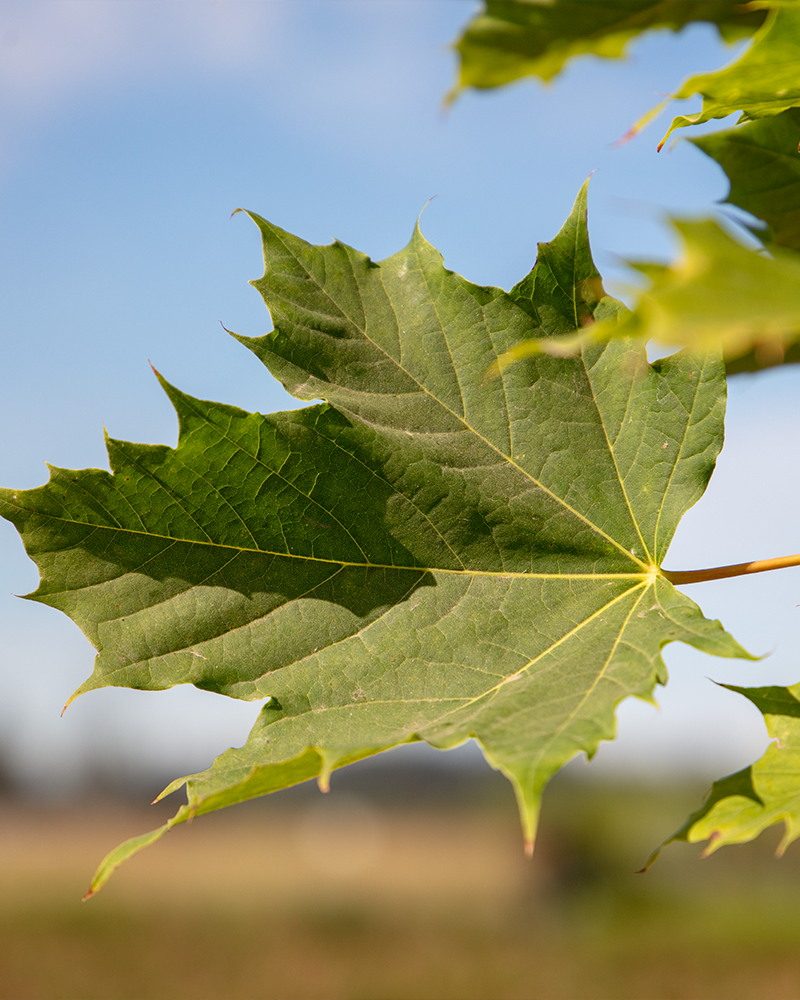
(399, 563)
(762, 163)
(764, 82)
(741, 806)
(510, 39)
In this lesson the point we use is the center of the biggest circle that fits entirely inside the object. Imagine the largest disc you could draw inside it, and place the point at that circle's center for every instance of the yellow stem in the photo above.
(679, 577)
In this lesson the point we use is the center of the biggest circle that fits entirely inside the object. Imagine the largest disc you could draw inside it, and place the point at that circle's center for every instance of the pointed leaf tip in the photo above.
(432, 198)
(75, 694)
(640, 124)
(450, 99)
(115, 858)
(154, 370)
(762, 83)
(173, 786)
(646, 866)
(327, 764)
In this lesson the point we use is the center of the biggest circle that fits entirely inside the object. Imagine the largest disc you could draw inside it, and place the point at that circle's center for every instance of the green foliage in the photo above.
(718, 295)
(762, 162)
(763, 83)
(452, 546)
(721, 294)
(511, 39)
(743, 805)
(428, 555)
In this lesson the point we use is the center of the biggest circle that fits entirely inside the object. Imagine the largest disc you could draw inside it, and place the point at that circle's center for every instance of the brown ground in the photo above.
(351, 897)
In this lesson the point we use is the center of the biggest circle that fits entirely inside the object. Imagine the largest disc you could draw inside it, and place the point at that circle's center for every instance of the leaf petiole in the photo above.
(678, 577)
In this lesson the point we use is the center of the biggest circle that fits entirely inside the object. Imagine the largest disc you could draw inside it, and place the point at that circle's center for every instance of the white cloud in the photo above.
(53, 49)
(331, 68)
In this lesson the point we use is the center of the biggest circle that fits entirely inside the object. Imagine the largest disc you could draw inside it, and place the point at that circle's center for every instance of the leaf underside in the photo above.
(427, 555)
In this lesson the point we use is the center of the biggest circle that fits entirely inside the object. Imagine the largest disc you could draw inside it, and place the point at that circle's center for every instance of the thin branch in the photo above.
(679, 577)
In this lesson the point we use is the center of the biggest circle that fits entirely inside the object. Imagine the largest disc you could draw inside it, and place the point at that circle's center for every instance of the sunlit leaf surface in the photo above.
(429, 554)
(765, 81)
(743, 805)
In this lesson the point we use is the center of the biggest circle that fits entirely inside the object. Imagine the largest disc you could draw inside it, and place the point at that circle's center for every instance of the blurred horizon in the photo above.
(375, 891)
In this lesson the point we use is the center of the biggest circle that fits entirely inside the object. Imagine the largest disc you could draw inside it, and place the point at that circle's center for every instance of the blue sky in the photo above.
(129, 131)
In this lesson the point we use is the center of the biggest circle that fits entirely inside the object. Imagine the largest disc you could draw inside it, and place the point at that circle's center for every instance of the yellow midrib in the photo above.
(642, 575)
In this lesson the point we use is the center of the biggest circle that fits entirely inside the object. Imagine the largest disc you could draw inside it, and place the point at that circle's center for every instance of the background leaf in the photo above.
(717, 296)
(765, 81)
(720, 295)
(743, 805)
(511, 39)
(762, 162)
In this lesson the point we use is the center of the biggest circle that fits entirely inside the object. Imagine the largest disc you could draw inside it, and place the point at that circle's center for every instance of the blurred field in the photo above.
(395, 889)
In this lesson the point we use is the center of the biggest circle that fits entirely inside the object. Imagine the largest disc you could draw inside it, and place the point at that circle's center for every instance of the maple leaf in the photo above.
(765, 81)
(427, 555)
(742, 805)
(762, 162)
(511, 39)
(720, 295)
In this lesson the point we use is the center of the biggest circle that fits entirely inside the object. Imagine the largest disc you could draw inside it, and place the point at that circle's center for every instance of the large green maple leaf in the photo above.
(511, 39)
(427, 555)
